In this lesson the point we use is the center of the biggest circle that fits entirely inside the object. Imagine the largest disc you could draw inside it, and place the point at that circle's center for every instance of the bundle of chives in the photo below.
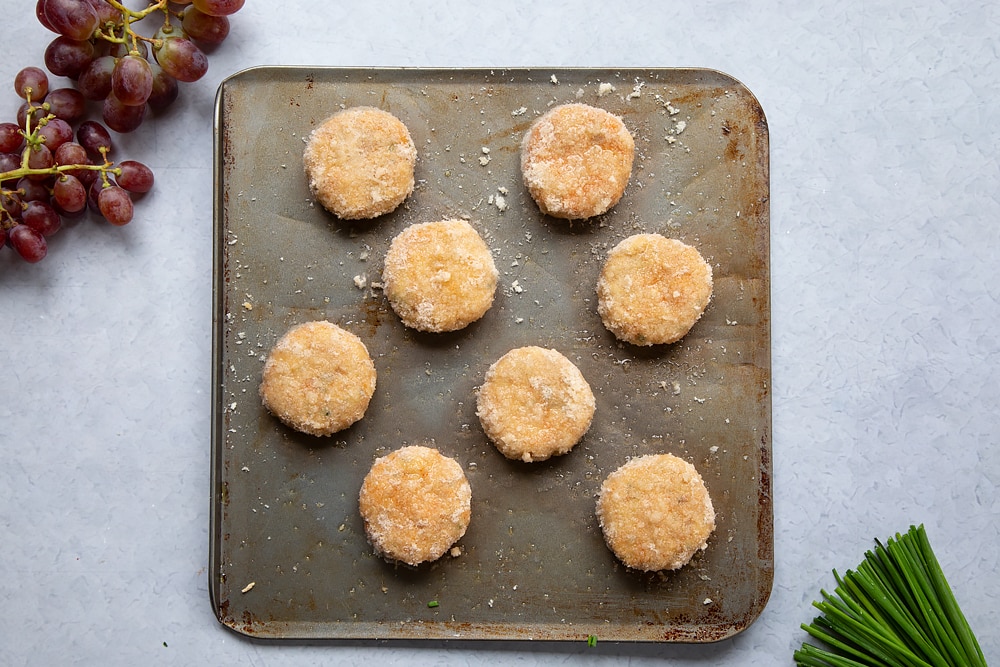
(895, 610)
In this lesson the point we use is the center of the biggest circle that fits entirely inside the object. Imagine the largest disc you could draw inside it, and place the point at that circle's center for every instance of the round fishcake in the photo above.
(534, 404)
(655, 512)
(653, 289)
(576, 161)
(318, 378)
(439, 276)
(415, 503)
(360, 162)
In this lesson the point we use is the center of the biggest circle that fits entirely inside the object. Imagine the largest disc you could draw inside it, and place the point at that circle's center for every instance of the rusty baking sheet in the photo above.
(289, 558)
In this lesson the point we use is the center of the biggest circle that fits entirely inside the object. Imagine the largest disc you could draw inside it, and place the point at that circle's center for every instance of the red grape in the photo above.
(40, 15)
(122, 118)
(115, 205)
(106, 14)
(68, 57)
(10, 203)
(135, 176)
(66, 103)
(75, 19)
(11, 139)
(93, 192)
(69, 194)
(9, 162)
(95, 80)
(72, 153)
(32, 190)
(41, 217)
(40, 157)
(22, 115)
(28, 242)
(114, 49)
(132, 80)
(33, 79)
(165, 88)
(93, 137)
(203, 27)
(219, 7)
(56, 132)
(86, 176)
(181, 59)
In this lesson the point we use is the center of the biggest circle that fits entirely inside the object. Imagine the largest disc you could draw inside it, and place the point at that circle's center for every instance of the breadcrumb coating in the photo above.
(535, 404)
(576, 161)
(360, 163)
(652, 289)
(318, 378)
(416, 503)
(655, 512)
(439, 276)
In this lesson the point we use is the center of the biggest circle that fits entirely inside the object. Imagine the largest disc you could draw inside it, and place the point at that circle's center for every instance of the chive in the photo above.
(864, 635)
(830, 640)
(894, 634)
(895, 609)
(927, 605)
(432, 604)
(971, 648)
(810, 656)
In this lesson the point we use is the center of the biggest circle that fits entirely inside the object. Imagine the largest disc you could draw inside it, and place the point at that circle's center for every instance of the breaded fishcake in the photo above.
(415, 503)
(534, 404)
(655, 512)
(318, 378)
(360, 162)
(439, 276)
(653, 289)
(576, 161)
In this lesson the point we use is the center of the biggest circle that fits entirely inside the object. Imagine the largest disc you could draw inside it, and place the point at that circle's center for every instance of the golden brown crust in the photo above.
(360, 163)
(655, 512)
(415, 503)
(653, 289)
(534, 404)
(576, 161)
(439, 276)
(318, 378)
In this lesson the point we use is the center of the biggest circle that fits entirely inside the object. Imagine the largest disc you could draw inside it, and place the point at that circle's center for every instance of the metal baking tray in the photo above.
(289, 558)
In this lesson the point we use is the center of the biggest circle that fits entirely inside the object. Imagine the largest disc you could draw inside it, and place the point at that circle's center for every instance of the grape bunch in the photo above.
(56, 164)
(100, 48)
(49, 171)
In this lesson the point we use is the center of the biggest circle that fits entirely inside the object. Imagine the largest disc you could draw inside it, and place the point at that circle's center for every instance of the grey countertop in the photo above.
(885, 202)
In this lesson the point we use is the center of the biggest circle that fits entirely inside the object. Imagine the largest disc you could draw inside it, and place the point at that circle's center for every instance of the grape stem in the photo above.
(139, 14)
(131, 16)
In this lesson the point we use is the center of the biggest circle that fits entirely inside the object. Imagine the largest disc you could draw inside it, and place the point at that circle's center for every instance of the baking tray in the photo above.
(289, 558)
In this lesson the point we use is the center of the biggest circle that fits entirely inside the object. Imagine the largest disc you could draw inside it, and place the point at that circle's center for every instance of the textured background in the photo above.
(885, 240)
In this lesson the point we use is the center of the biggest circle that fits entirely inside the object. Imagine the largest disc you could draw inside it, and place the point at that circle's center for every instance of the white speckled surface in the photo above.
(885, 202)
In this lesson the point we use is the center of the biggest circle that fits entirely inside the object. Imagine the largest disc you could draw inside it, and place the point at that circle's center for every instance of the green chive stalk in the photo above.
(895, 610)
